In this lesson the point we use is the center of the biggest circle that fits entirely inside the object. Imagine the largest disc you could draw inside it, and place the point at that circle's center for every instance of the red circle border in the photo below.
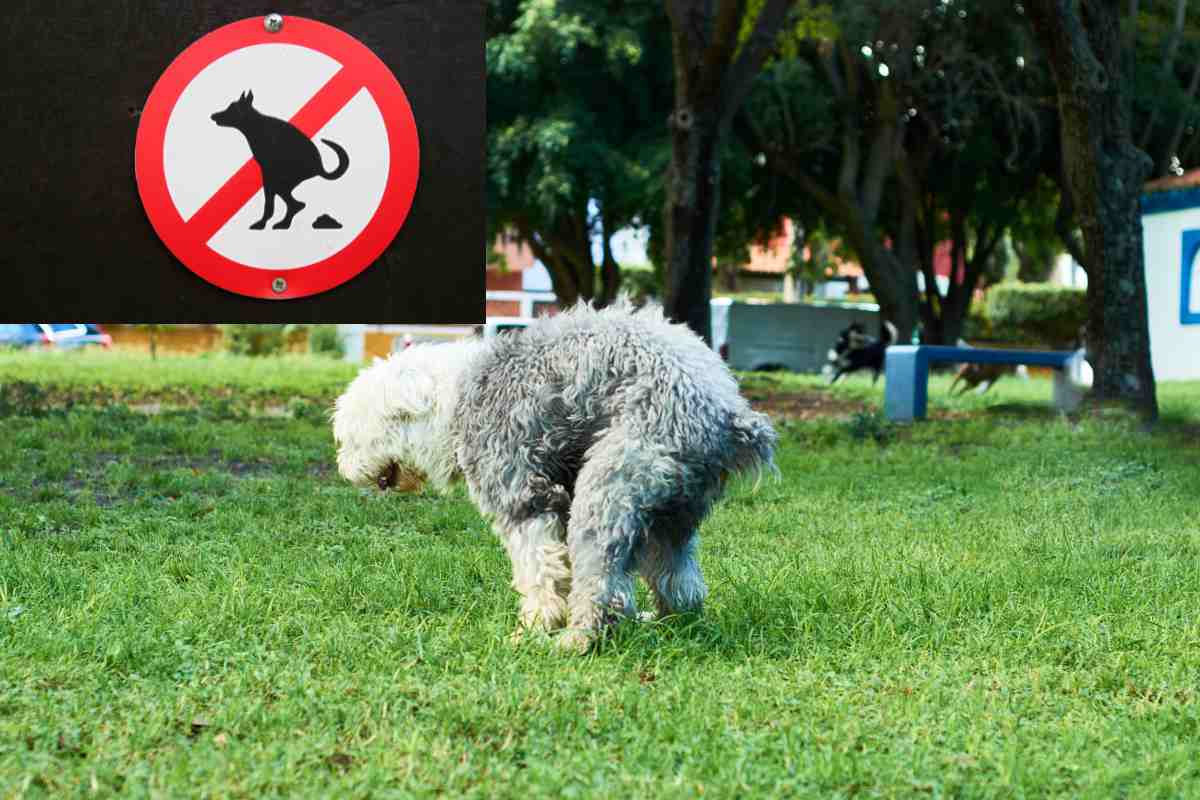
(364, 249)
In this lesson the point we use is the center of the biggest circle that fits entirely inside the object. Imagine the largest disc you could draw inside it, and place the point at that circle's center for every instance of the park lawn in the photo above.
(995, 603)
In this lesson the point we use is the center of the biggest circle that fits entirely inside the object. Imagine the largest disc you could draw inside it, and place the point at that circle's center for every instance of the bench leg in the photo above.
(906, 384)
(1067, 397)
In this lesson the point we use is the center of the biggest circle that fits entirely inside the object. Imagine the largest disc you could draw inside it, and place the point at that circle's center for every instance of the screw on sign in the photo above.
(277, 157)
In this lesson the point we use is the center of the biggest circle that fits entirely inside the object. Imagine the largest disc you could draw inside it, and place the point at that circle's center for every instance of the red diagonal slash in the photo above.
(237, 191)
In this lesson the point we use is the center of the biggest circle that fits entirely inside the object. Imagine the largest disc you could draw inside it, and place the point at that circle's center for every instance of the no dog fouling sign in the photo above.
(224, 161)
(277, 157)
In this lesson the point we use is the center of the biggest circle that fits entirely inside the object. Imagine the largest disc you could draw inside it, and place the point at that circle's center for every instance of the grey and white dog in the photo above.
(595, 441)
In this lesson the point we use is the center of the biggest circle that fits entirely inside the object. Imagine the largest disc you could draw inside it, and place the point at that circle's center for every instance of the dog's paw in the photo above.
(575, 641)
(258, 226)
(523, 634)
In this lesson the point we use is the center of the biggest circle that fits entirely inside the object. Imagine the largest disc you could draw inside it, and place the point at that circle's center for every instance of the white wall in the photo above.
(1174, 347)
(536, 278)
(1068, 273)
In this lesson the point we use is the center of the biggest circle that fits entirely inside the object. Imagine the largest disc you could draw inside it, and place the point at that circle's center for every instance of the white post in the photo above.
(353, 339)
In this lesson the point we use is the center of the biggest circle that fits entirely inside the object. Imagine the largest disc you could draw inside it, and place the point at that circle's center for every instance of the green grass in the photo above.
(994, 603)
(91, 375)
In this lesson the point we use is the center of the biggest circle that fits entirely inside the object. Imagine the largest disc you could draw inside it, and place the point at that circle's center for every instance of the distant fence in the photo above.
(792, 336)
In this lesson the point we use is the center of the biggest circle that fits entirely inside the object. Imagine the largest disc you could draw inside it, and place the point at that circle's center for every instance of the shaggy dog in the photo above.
(855, 350)
(594, 441)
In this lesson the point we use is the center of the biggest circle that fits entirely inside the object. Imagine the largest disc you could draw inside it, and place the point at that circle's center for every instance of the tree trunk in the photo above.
(890, 278)
(714, 67)
(693, 194)
(566, 252)
(610, 270)
(1104, 174)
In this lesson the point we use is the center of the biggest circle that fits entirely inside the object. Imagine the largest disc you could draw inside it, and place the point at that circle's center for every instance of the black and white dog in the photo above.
(855, 350)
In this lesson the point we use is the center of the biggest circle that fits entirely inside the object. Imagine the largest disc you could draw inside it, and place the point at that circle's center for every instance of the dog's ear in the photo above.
(250, 97)
(409, 394)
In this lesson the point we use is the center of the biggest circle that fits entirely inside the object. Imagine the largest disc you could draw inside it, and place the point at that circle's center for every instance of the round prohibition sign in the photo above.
(199, 211)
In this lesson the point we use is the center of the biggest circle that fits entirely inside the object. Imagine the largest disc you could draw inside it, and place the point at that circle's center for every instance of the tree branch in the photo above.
(753, 54)
(1168, 62)
(1177, 135)
(1062, 224)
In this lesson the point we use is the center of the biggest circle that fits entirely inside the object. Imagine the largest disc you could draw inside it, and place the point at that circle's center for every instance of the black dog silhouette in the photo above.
(286, 156)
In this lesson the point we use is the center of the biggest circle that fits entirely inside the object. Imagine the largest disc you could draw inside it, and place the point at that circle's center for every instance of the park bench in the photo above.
(906, 370)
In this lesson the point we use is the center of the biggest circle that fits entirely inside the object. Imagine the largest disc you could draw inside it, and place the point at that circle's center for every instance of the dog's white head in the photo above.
(390, 424)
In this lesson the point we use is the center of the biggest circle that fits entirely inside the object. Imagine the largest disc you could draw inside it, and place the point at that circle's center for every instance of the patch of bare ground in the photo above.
(803, 405)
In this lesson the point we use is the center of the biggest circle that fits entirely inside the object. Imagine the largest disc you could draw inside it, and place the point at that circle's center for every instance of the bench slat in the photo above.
(981, 355)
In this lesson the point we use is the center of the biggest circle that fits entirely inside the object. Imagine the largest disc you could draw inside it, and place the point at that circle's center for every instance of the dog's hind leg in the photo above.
(268, 209)
(612, 506)
(601, 582)
(294, 207)
(541, 571)
(673, 575)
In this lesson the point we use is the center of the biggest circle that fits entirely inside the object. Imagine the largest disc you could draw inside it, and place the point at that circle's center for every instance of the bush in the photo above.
(1036, 313)
(641, 283)
(256, 340)
(323, 340)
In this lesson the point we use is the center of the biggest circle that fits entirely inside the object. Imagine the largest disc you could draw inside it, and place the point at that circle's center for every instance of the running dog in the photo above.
(855, 350)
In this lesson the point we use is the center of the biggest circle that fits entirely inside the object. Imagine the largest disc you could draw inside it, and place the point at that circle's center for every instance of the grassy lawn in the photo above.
(995, 603)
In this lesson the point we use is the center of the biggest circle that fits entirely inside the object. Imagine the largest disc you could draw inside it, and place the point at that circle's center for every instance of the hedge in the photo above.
(1035, 313)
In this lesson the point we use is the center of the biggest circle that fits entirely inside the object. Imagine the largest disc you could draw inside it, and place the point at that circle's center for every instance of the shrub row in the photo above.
(274, 340)
(1030, 313)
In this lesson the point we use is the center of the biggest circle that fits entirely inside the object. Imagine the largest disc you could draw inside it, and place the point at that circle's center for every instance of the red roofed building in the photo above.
(518, 286)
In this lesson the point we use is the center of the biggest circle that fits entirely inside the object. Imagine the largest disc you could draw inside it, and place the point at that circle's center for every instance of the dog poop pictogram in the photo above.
(326, 222)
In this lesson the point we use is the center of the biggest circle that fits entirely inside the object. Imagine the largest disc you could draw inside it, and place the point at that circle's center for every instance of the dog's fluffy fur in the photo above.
(855, 350)
(595, 442)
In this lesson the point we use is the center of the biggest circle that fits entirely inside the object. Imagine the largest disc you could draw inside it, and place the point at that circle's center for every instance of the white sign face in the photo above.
(1171, 242)
(238, 108)
(277, 161)
(1192, 309)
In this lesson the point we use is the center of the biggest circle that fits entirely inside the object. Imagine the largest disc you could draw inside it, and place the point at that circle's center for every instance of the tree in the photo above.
(1166, 75)
(718, 48)
(908, 123)
(575, 129)
(1103, 172)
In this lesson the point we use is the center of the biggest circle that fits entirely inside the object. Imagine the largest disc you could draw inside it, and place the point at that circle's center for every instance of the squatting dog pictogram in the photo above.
(285, 155)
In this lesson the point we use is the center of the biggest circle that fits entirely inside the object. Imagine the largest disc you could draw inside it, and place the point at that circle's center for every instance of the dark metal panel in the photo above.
(74, 240)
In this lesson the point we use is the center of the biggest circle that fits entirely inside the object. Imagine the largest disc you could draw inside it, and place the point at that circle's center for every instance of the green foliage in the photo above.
(23, 399)
(641, 283)
(872, 425)
(256, 340)
(1166, 112)
(1037, 313)
(577, 97)
(1035, 240)
(323, 340)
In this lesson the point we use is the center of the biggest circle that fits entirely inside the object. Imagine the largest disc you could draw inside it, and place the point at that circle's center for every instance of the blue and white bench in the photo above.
(906, 368)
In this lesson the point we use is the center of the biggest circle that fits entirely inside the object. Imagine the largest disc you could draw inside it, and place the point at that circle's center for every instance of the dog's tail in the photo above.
(890, 334)
(343, 161)
(752, 444)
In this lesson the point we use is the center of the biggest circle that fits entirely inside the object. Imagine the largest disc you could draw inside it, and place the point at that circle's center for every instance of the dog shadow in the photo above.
(752, 624)
(1030, 411)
